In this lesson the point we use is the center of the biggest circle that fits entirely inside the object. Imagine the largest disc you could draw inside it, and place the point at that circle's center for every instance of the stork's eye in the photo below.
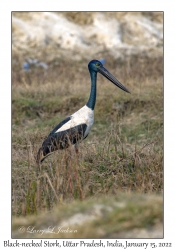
(97, 64)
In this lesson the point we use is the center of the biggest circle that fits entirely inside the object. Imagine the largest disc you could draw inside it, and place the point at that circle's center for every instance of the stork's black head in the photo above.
(97, 66)
(94, 65)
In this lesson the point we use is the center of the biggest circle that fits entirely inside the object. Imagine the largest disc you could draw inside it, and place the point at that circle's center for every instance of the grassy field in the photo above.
(123, 152)
(121, 216)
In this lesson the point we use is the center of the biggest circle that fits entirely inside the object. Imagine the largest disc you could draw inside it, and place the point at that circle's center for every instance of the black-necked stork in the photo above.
(76, 127)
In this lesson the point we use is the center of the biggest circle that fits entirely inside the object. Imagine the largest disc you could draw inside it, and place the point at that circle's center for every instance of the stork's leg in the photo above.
(68, 171)
(76, 149)
(77, 154)
(76, 172)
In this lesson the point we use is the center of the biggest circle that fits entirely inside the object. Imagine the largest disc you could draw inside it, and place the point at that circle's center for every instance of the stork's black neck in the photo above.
(92, 97)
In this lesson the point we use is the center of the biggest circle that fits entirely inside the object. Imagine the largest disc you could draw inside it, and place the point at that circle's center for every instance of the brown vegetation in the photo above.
(124, 151)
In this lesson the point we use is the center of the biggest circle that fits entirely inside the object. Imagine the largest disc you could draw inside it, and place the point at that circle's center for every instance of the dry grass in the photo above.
(112, 216)
(124, 151)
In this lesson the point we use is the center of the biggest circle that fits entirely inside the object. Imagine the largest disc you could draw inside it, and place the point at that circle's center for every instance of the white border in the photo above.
(5, 94)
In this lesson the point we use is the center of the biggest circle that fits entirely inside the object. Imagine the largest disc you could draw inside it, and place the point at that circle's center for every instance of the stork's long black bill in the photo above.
(111, 78)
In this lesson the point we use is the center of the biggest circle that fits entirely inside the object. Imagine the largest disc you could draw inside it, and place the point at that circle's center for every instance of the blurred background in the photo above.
(79, 36)
(117, 184)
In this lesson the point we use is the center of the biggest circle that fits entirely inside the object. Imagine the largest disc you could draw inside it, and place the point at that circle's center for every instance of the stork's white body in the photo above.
(85, 115)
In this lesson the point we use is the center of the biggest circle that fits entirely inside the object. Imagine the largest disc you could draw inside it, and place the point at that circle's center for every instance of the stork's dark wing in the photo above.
(61, 140)
(60, 125)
